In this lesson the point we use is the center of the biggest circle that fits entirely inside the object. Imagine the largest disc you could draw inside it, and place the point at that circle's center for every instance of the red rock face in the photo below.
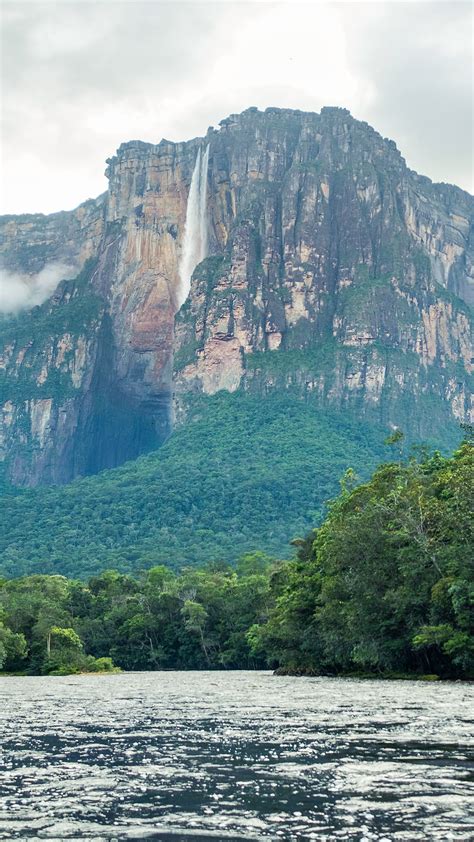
(324, 245)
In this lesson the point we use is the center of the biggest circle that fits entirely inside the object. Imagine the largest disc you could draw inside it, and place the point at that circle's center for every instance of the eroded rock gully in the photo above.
(333, 270)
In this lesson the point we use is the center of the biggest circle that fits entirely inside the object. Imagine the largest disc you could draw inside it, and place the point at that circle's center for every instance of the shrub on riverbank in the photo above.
(386, 583)
(384, 586)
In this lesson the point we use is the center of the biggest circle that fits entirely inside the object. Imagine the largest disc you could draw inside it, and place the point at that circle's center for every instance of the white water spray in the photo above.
(195, 230)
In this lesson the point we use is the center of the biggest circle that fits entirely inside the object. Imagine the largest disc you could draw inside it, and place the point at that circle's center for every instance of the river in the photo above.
(234, 755)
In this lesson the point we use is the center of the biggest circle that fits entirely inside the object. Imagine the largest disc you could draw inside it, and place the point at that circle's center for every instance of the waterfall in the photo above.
(195, 229)
(202, 205)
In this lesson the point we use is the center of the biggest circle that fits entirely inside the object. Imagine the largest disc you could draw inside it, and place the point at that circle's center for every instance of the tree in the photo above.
(386, 582)
(195, 617)
(64, 651)
(13, 649)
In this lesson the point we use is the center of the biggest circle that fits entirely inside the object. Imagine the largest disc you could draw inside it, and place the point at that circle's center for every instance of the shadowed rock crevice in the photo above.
(333, 270)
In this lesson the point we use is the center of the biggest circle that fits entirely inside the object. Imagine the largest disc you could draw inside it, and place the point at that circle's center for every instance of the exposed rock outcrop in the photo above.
(334, 270)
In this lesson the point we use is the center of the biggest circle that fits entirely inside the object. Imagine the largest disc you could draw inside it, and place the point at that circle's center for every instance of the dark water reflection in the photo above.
(234, 755)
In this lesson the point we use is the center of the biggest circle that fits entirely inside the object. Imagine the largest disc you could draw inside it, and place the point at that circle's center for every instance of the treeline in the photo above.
(243, 474)
(195, 620)
(384, 586)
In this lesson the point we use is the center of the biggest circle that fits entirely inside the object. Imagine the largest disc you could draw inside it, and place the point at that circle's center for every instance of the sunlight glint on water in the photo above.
(244, 755)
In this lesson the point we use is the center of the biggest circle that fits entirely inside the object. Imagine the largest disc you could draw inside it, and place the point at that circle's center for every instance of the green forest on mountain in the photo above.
(243, 474)
(384, 586)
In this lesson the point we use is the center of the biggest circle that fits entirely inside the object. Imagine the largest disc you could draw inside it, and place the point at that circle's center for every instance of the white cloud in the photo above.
(22, 292)
(81, 77)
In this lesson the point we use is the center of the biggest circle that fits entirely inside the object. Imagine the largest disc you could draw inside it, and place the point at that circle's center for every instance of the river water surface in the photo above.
(234, 755)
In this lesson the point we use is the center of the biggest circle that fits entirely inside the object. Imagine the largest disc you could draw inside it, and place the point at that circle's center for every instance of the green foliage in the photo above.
(13, 649)
(386, 583)
(245, 474)
(75, 313)
(52, 319)
(198, 619)
(100, 665)
(313, 359)
(384, 586)
(394, 438)
(185, 355)
(38, 631)
(425, 416)
(64, 651)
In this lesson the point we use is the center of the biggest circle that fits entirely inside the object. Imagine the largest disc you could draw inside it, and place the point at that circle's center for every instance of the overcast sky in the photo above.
(78, 78)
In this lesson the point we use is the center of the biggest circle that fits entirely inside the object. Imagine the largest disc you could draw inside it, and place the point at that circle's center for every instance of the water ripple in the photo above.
(234, 756)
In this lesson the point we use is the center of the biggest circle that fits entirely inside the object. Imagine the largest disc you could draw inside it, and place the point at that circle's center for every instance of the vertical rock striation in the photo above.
(332, 270)
(339, 273)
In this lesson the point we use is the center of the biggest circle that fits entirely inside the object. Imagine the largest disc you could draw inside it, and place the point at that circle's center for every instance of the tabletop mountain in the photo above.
(283, 252)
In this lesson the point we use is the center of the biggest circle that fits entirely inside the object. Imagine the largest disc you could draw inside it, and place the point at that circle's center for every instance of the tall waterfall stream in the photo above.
(195, 232)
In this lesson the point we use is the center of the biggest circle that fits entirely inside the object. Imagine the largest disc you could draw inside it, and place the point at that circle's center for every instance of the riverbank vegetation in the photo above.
(385, 585)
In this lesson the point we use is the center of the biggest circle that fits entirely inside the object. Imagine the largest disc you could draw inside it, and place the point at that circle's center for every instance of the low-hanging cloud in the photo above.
(22, 292)
(404, 67)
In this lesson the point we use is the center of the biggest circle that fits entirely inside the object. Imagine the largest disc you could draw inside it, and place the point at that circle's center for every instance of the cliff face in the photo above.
(333, 270)
(353, 272)
(86, 377)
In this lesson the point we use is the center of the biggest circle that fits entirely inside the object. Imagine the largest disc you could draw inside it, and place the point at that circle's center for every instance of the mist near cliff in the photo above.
(22, 292)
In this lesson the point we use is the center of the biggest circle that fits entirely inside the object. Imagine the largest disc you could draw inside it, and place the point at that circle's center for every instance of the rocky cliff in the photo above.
(332, 270)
